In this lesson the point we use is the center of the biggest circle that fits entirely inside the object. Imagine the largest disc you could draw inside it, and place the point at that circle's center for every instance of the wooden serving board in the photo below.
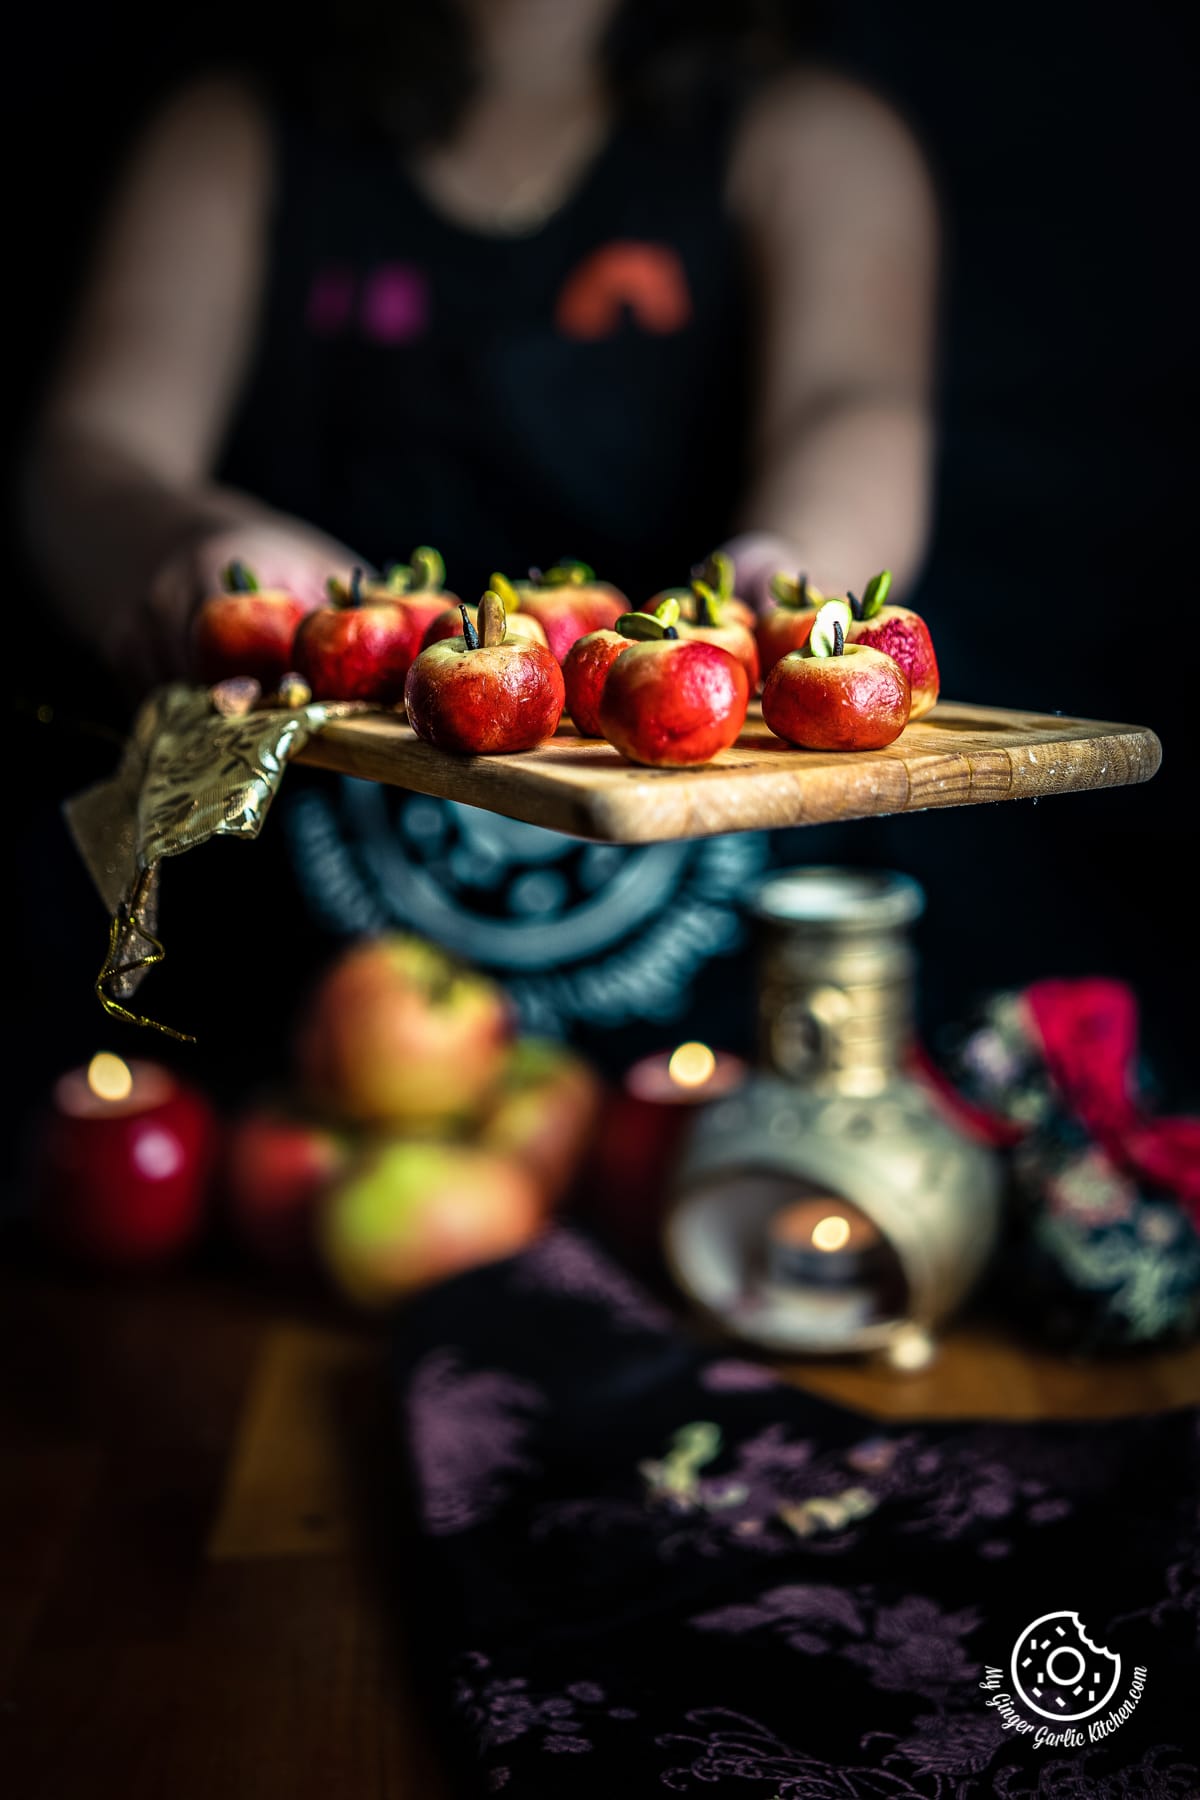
(957, 756)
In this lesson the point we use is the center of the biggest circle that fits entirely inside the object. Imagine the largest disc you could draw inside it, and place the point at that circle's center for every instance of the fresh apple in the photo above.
(245, 630)
(567, 599)
(670, 701)
(419, 586)
(414, 1213)
(278, 1165)
(544, 1113)
(357, 649)
(787, 625)
(834, 695)
(449, 624)
(486, 692)
(399, 1034)
(901, 634)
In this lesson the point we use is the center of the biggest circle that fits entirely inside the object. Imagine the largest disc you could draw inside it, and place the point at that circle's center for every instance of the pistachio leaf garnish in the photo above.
(828, 636)
(875, 593)
(794, 590)
(646, 626)
(493, 620)
(567, 572)
(238, 579)
(428, 569)
(501, 585)
(716, 572)
(708, 605)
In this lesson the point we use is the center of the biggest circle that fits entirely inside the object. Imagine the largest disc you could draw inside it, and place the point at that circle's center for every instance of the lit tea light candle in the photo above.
(824, 1255)
(642, 1132)
(122, 1160)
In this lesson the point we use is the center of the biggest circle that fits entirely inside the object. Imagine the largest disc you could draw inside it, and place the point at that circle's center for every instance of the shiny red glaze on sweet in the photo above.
(784, 628)
(732, 637)
(672, 702)
(857, 701)
(585, 671)
(246, 634)
(569, 613)
(357, 652)
(904, 636)
(483, 702)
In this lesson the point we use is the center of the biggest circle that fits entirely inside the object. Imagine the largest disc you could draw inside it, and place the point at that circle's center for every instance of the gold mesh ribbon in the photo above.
(187, 774)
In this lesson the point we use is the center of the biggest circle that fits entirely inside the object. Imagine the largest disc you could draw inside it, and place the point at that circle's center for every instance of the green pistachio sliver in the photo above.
(875, 593)
(641, 626)
(667, 612)
(823, 640)
(500, 584)
(428, 568)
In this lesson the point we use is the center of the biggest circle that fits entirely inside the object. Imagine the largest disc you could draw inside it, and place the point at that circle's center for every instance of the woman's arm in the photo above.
(841, 223)
(123, 520)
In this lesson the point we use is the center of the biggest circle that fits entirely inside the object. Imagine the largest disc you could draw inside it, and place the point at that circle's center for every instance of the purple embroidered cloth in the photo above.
(649, 1567)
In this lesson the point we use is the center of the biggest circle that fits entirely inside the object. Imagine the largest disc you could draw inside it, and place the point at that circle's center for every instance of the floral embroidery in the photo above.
(729, 1746)
(467, 1429)
(564, 1264)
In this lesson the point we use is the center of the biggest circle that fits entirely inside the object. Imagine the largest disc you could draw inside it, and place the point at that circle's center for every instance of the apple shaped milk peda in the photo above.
(567, 600)
(585, 671)
(901, 634)
(245, 630)
(419, 586)
(787, 625)
(668, 701)
(397, 1033)
(709, 616)
(358, 648)
(485, 693)
(834, 695)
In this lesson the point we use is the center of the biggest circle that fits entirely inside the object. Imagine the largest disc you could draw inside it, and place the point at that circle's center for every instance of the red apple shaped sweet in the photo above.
(567, 600)
(419, 586)
(787, 625)
(901, 634)
(834, 695)
(585, 671)
(485, 693)
(245, 630)
(670, 702)
(360, 650)
(399, 1034)
(709, 617)
(544, 1114)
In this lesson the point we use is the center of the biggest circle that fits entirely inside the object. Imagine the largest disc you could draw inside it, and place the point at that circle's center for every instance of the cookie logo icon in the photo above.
(1058, 1671)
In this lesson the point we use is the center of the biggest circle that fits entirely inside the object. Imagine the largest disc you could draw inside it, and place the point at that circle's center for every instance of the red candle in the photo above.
(641, 1134)
(122, 1162)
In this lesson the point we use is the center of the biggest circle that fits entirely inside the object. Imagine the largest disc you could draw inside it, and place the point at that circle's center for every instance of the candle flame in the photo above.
(109, 1078)
(692, 1065)
(831, 1233)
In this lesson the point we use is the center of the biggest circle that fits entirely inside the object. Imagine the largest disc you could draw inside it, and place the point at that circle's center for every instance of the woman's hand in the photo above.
(152, 643)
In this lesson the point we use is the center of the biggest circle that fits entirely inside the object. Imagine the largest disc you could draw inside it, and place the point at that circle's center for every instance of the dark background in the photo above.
(1061, 577)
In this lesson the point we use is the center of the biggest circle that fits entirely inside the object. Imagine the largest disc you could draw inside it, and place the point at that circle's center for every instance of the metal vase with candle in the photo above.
(830, 1205)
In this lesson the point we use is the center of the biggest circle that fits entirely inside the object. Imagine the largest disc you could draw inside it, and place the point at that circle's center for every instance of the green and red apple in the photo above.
(414, 1213)
(399, 1034)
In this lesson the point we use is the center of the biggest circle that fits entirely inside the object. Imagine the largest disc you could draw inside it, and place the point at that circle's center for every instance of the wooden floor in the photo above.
(198, 1598)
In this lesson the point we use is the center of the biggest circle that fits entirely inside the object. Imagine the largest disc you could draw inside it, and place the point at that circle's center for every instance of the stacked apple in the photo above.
(662, 699)
(421, 1136)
